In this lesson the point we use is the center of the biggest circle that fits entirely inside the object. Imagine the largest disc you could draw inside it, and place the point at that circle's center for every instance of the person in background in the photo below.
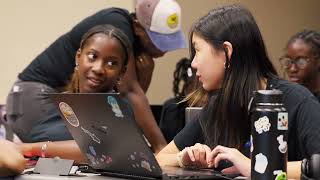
(231, 62)
(12, 161)
(173, 111)
(29, 111)
(301, 60)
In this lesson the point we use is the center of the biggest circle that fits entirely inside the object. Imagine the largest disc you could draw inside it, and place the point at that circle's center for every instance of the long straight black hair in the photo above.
(225, 120)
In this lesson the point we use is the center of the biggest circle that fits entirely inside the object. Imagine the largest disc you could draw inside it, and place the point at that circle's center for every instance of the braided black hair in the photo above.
(110, 31)
(182, 74)
(310, 37)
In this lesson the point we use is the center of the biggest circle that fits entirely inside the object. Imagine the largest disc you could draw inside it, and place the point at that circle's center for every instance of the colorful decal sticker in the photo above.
(106, 159)
(143, 156)
(115, 107)
(262, 124)
(93, 136)
(95, 160)
(102, 129)
(282, 121)
(261, 163)
(92, 151)
(282, 144)
(69, 114)
(146, 165)
(92, 159)
(132, 157)
(140, 161)
(280, 175)
(91, 155)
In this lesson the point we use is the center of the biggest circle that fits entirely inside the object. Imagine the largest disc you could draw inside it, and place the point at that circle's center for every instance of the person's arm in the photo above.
(145, 119)
(193, 156)
(294, 169)
(12, 161)
(168, 155)
(131, 89)
(63, 149)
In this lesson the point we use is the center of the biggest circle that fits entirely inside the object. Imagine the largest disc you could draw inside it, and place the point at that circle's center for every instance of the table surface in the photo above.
(49, 177)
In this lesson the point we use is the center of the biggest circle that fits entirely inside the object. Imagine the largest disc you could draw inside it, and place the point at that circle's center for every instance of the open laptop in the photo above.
(104, 128)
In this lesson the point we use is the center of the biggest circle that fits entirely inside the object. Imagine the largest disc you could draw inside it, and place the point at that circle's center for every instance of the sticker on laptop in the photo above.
(115, 107)
(146, 165)
(140, 160)
(69, 114)
(93, 136)
(102, 129)
(92, 151)
(282, 121)
(95, 159)
(106, 159)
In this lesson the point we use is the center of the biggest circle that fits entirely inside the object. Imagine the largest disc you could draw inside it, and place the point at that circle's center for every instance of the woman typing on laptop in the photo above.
(230, 59)
(100, 64)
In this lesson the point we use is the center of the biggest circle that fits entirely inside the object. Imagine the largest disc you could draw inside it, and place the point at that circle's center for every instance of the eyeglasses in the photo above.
(301, 63)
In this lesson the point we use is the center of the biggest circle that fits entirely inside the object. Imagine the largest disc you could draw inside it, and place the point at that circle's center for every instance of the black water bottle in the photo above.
(269, 134)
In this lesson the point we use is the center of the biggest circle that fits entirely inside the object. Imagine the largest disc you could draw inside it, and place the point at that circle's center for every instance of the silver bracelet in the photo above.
(43, 149)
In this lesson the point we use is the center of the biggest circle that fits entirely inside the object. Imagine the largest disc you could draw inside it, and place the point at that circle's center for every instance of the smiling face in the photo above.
(101, 63)
(209, 63)
(298, 49)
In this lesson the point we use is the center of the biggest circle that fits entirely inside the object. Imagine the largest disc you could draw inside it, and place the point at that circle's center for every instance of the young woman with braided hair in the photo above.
(101, 62)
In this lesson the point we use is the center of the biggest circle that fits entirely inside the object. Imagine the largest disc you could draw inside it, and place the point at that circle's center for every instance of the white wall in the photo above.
(28, 27)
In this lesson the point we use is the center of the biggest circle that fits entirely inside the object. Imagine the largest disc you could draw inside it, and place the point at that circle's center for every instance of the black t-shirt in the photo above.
(172, 118)
(304, 122)
(55, 65)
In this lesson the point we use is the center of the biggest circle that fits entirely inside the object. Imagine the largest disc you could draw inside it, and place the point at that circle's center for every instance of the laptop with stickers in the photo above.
(104, 128)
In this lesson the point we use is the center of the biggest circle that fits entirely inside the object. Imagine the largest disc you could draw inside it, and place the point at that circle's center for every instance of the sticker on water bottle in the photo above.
(261, 163)
(282, 144)
(262, 124)
(280, 175)
(251, 143)
(282, 121)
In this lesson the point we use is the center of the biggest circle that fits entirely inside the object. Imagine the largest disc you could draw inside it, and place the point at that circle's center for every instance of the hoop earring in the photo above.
(77, 65)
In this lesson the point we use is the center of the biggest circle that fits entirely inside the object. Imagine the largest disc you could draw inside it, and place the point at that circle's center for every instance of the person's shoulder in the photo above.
(293, 92)
(112, 11)
(174, 102)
